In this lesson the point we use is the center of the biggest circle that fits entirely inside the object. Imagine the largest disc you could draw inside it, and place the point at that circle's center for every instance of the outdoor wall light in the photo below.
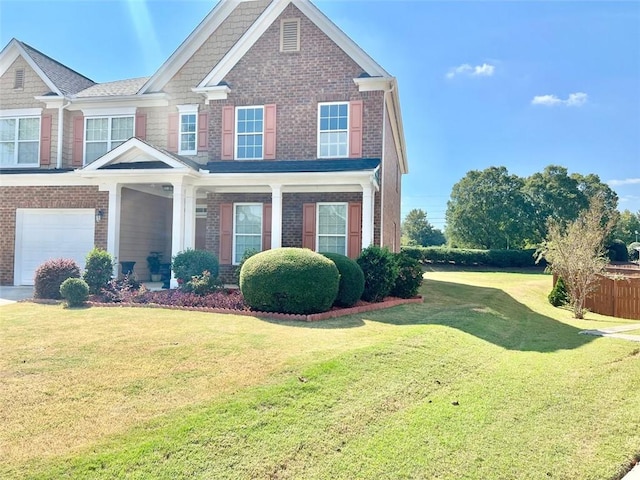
(167, 188)
(99, 215)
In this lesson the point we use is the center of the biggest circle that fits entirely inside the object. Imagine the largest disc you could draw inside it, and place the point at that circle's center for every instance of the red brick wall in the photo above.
(296, 82)
(12, 198)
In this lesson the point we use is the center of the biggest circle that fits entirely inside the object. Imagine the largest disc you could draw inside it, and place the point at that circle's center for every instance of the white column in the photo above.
(190, 217)
(177, 228)
(367, 215)
(113, 224)
(276, 216)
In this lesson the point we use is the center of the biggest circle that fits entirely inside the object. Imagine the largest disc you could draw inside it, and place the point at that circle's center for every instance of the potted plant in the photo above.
(153, 261)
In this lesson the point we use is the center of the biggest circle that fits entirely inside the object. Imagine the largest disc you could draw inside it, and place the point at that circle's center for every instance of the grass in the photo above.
(484, 380)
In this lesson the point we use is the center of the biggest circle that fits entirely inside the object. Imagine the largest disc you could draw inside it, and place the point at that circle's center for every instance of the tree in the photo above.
(628, 223)
(487, 209)
(575, 251)
(416, 230)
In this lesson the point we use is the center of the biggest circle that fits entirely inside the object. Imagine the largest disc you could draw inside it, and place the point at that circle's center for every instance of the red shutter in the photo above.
(78, 141)
(45, 140)
(354, 240)
(309, 226)
(266, 226)
(141, 126)
(355, 129)
(226, 233)
(270, 132)
(203, 132)
(172, 138)
(228, 118)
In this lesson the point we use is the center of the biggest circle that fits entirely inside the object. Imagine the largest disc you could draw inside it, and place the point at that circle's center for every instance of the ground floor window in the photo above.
(247, 229)
(332, 228)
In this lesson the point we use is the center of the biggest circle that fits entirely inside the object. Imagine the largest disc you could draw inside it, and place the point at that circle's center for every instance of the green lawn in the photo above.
(484, 380)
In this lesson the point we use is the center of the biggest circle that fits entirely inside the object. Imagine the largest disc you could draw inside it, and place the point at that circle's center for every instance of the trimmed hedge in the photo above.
(75, 291)
(351, 279)
(469, 257)
(98, 270)
(289, 280)
(191, 263)
(380, 272)
(409, 276)
(50, 275)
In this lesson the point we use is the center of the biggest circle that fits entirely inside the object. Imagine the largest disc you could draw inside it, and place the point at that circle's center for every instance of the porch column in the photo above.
(367, 215)
(190, 217)
(113, 224)
(177, 228)
(276, 216)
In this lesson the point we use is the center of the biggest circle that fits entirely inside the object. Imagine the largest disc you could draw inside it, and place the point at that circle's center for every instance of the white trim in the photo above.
(116, 101)
(21, 112)
(9, 55)
(373, 84)
(236, 134)
(346, 155)
(188, 108)
(346, 225)
(51, 101)
(109, 112)
(219, 92)
(184, 110)
(16, 141)
(233, 243)
(109, 141)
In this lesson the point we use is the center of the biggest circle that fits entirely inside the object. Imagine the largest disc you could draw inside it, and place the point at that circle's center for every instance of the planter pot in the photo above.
(156, 277)
(127, 267)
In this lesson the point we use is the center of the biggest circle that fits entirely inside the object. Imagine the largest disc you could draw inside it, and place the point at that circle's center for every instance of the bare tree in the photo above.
(575, 251)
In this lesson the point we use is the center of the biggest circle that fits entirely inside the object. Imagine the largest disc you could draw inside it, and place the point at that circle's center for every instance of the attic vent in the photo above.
(290, 35)
(18, 82)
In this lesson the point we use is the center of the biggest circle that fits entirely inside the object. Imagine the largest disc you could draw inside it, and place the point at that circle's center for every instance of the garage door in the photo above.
(42, 234)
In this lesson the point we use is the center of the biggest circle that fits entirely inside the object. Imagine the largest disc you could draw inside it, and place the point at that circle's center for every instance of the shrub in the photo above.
(202, 284)
(617, 251)
(248, 253)
(380, 272)
(116, 291)
(190, 263)
(289, 280)
(633, 250)
(230, 300)
(409, 277)
(351, 279)
(558, 295)
(50, 275)
(75, 291)
(98, 269)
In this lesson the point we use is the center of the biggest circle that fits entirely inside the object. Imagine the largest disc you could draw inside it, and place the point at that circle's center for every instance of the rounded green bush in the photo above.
(289, 280)
(191, 263)
(98, 270)
(558, 295)
(75, 291)
(50, 275)
(380, 272)
(409, 276)
(351, 279)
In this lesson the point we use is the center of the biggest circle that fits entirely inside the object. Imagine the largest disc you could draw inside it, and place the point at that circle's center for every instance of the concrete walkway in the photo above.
(9, 295)
(634, 474)
(616, 332)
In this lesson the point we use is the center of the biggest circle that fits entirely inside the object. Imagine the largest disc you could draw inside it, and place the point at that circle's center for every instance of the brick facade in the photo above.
(12, 198)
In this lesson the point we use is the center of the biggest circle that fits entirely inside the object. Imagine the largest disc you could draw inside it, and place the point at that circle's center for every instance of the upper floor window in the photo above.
(19, 141)
(333, 130)
(332, 228)
(249, 133)
(103, 134)
(188, 139)
(247, 229)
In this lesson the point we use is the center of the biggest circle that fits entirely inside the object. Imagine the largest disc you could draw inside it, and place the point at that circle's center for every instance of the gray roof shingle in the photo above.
(119, 87)
(294, 166)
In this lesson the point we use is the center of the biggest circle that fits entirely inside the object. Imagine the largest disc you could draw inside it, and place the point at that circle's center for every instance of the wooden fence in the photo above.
(617, 297)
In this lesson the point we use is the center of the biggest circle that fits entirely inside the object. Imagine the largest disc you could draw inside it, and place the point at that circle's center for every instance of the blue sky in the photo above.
(514, 83)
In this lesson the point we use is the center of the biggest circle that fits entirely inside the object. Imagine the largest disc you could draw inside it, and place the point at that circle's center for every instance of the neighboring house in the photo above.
(267, 127)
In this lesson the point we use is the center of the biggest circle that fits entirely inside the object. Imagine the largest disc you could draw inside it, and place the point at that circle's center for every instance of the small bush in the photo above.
(351, 279)
(202, 284)
(98, 269)
(75, 291)
(50, 275)
(116, 291)
(289, 280)
(558, 296)
(190, 263)
(248, 253)
(409, 277)
(617, 251)
(380, 272)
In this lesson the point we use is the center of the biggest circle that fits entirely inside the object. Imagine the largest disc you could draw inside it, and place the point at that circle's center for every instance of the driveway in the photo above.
(10, 295)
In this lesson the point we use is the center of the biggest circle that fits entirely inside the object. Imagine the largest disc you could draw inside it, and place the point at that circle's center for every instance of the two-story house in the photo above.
(267, 127)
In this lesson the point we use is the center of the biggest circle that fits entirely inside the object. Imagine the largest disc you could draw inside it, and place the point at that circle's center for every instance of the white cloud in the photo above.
(484, 70)
(573, 100)
(626, 181)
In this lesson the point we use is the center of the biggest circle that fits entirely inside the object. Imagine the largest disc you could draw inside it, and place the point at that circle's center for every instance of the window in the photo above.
(333, 121)
(19, 141)
(249, 133)
(188, 134)
(247, 229)
(103, 134)
(332, 228)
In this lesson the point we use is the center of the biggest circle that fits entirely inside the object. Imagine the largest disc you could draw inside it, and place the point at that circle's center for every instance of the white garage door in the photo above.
(42, 234)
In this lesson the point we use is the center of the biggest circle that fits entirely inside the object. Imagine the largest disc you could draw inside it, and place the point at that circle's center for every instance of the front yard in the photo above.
(485, 380)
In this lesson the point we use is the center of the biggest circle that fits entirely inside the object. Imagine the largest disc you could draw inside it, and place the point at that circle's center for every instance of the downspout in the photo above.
(384, 144)
(60, 130)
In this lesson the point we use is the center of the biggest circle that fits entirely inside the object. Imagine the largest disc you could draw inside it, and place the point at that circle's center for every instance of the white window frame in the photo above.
(184, 110)
(346, 225)
(109, 140)
(324, 104)
(235, 234)
(237, 134)
(19, 115)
